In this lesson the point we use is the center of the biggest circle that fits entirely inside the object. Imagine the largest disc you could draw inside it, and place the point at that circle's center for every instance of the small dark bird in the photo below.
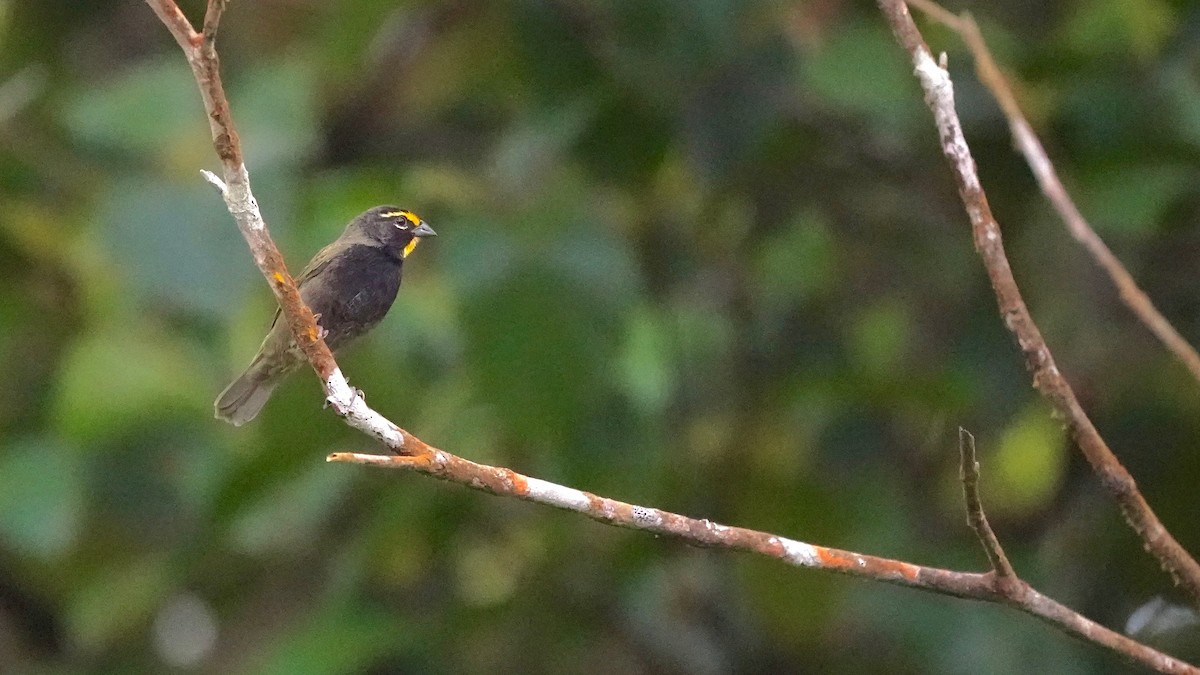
(349, 285)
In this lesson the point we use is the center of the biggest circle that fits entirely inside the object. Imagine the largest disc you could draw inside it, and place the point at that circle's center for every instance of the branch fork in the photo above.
(1047, 377)
(1000, 584)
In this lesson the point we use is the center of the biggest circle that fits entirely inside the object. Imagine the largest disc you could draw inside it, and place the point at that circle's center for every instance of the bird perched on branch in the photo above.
(349, 285)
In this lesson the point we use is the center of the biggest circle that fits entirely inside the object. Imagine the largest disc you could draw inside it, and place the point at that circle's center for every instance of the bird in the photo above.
(349, 285)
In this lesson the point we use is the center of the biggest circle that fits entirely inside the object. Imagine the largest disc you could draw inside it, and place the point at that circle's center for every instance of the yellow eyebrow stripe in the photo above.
(407, 215)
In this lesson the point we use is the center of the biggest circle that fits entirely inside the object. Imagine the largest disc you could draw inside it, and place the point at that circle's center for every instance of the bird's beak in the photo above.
(422, 230)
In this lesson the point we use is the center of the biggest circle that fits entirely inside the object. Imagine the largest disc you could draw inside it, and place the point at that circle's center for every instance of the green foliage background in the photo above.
(699, 255)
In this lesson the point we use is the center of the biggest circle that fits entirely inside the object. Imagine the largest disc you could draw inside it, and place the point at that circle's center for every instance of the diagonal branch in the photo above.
(1043, 170)
(202, 57)
(939, 96)
(173, 18)
(420, 457)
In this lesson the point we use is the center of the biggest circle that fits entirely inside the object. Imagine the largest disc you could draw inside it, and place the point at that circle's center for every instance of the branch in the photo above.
(212, 19)
(939, 96)
(422, 458)
(201, 54)
(987, 587)
(175, 21)
(976, 519)
(1043, 170)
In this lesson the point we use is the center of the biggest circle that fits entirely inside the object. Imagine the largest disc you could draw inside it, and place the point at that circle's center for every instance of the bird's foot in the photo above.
(321, 332)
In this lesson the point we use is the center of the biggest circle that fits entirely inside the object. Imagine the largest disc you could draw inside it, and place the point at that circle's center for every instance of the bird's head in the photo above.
(396, 229)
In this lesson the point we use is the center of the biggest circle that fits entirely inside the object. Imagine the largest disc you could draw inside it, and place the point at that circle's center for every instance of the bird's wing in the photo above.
(319, 262)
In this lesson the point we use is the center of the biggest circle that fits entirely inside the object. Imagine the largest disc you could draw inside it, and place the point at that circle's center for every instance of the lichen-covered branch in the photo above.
(1039, 162)
(990, 587)
(1116, 480)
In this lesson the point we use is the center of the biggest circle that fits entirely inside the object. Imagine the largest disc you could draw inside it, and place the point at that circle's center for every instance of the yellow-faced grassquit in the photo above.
(349, 285)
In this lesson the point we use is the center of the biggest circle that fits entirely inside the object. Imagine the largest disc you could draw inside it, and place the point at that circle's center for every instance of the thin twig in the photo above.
(976, 518)
(1039, 162)
(939, 96)
(212, 20)
(216, 182)
(938, 13)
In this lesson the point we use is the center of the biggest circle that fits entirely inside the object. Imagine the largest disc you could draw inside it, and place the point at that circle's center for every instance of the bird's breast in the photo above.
(354, 292)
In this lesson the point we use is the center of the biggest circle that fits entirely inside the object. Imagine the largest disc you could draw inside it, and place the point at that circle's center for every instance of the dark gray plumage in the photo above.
(350, 285)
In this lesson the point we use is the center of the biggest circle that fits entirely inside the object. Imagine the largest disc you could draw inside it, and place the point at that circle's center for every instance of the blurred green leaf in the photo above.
(880, 336)
(1108, 27)
(589, 251)
(116, 602)
(339, 638)
(1183, 92)
(531, 147)
(1025, 470)
(796, 263)
(487, 570)
(652, 55)
(277, 115)
(1133, 199)
(627, 141)
(537, 341)
(476, 254)
(861, 71)
(180, 246)
(701, 336)
(41, 496)
(289, 515)
(115, 379)
(116, 113)
(647, 363)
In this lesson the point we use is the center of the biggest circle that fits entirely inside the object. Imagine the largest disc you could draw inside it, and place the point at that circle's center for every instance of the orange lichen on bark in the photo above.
(520, 485)
(886, 568)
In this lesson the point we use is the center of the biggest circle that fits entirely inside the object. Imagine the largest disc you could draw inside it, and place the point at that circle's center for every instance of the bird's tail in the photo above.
(245, 396)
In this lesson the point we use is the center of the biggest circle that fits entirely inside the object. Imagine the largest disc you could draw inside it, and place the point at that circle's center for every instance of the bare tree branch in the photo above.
(212, 19)
(175, 21)
(235, 189)
(990, 587)
(422, 458)
(939, 96)
(976, 519)
(1043, 170)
